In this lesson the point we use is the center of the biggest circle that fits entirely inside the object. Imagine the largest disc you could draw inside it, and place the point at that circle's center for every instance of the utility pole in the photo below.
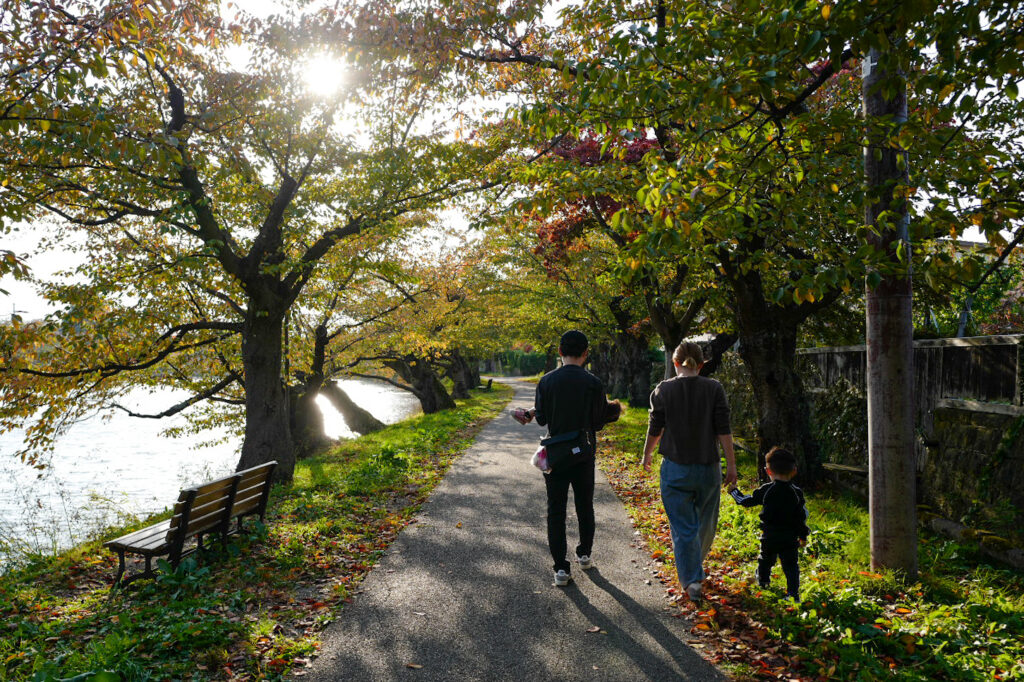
(890, 349)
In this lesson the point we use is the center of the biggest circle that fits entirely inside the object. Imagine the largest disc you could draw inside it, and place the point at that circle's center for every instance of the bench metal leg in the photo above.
(120, 568)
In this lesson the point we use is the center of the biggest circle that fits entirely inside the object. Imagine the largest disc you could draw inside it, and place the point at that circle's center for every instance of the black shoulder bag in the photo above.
(570, 448)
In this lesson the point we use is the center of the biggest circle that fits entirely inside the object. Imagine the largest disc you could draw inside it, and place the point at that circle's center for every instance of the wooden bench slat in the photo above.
(207, 493)
(142, 536)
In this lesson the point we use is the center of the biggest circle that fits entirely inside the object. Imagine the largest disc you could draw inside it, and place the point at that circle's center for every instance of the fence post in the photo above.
(1018, 390)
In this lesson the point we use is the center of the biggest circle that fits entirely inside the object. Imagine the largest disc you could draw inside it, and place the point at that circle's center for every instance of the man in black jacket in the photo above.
(571, 399)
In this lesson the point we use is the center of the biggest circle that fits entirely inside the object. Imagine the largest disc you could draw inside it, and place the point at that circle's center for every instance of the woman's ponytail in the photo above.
(688, 354)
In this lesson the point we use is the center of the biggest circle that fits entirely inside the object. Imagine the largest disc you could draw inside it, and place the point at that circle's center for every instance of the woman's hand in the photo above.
(650, 443)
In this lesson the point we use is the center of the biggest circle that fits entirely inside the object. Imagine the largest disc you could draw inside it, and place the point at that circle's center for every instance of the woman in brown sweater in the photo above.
(689, 419)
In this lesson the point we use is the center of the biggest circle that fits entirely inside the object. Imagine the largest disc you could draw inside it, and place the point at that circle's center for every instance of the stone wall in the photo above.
(974, 469)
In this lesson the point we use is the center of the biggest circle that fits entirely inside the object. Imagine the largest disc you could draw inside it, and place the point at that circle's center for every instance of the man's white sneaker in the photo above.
(585, 561)
(562, 578)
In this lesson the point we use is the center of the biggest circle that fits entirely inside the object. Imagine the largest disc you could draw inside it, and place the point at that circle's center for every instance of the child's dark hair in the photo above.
(781, 461)
(612, 411)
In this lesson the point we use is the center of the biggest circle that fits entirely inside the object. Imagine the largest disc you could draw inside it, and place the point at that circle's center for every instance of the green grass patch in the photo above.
(253, 611)
(962, 619)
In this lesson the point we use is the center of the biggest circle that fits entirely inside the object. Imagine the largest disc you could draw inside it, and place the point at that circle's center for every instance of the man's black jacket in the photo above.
(569, 399)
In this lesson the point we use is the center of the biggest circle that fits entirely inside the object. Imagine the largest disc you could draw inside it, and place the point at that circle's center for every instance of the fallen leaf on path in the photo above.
(594, 628)
(459, 524)
(414, 666)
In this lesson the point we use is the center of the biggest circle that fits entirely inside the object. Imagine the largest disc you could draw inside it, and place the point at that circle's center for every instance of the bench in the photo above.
(206, 509)
(845, 468)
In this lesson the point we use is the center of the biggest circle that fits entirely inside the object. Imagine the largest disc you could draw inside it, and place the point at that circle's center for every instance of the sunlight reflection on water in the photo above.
(106, 470)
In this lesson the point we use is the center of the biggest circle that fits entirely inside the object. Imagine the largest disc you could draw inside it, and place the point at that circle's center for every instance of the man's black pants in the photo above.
(581, 478)
(785, 550)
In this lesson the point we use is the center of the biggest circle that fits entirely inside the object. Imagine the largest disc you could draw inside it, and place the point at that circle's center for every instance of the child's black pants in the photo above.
(785, 550)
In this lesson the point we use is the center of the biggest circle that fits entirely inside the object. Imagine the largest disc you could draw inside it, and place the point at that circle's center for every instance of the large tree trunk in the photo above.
(768, 348)
(356, 418)
(432, 394)
(267, 432)
(890, 370)
(783, 408)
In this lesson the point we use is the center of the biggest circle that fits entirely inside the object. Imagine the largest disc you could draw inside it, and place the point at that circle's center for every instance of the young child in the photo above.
(783, 520)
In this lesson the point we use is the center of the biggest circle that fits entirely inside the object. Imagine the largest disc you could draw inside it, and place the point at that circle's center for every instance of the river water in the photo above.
(106, 470)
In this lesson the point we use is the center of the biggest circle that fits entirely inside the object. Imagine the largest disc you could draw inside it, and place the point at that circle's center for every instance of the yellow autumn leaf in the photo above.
(826, 12)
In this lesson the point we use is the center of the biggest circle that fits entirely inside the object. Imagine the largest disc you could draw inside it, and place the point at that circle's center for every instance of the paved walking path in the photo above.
(467, 592)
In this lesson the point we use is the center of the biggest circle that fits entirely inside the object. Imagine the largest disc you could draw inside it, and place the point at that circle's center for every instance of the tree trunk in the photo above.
(783, 409)
(601, 364)
(433, 396)
(768, 335)
(306, 422)
(890, 370)
(423, 383)
(356, 418)
(267, 432)
(638, 370)
(550, 358)
(715, 351)
(461, 375)
(471, 370)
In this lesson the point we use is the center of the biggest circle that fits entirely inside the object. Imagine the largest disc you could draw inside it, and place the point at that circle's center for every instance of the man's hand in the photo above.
(522, 416)
(730, 475)
(646, 462)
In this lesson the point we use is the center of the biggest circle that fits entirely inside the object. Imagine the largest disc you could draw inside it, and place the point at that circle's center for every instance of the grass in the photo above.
(255, 611)
(963, 619)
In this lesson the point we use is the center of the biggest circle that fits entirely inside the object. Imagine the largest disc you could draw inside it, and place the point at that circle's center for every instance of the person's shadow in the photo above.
(673, 642)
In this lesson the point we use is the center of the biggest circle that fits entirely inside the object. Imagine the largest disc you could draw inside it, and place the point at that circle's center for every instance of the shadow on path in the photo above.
(466, 592)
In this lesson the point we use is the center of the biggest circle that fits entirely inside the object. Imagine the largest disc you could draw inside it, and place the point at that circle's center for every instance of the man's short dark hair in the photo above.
(573, 344)
(781, 461)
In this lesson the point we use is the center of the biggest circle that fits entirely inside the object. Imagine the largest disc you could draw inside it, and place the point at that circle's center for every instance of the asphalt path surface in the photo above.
(467, 591)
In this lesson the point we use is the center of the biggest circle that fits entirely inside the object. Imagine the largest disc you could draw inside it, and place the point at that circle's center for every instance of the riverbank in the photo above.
(255, 612)
(963, 618)
(111, 468)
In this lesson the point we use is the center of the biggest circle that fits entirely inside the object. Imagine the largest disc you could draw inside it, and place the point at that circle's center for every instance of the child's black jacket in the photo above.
(783, 513)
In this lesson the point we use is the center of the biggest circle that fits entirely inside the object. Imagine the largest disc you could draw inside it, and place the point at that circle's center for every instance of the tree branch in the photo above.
(175, 409)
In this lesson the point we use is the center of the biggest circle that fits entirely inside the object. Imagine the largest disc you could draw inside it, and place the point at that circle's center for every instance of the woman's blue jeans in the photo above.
(691, 494)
